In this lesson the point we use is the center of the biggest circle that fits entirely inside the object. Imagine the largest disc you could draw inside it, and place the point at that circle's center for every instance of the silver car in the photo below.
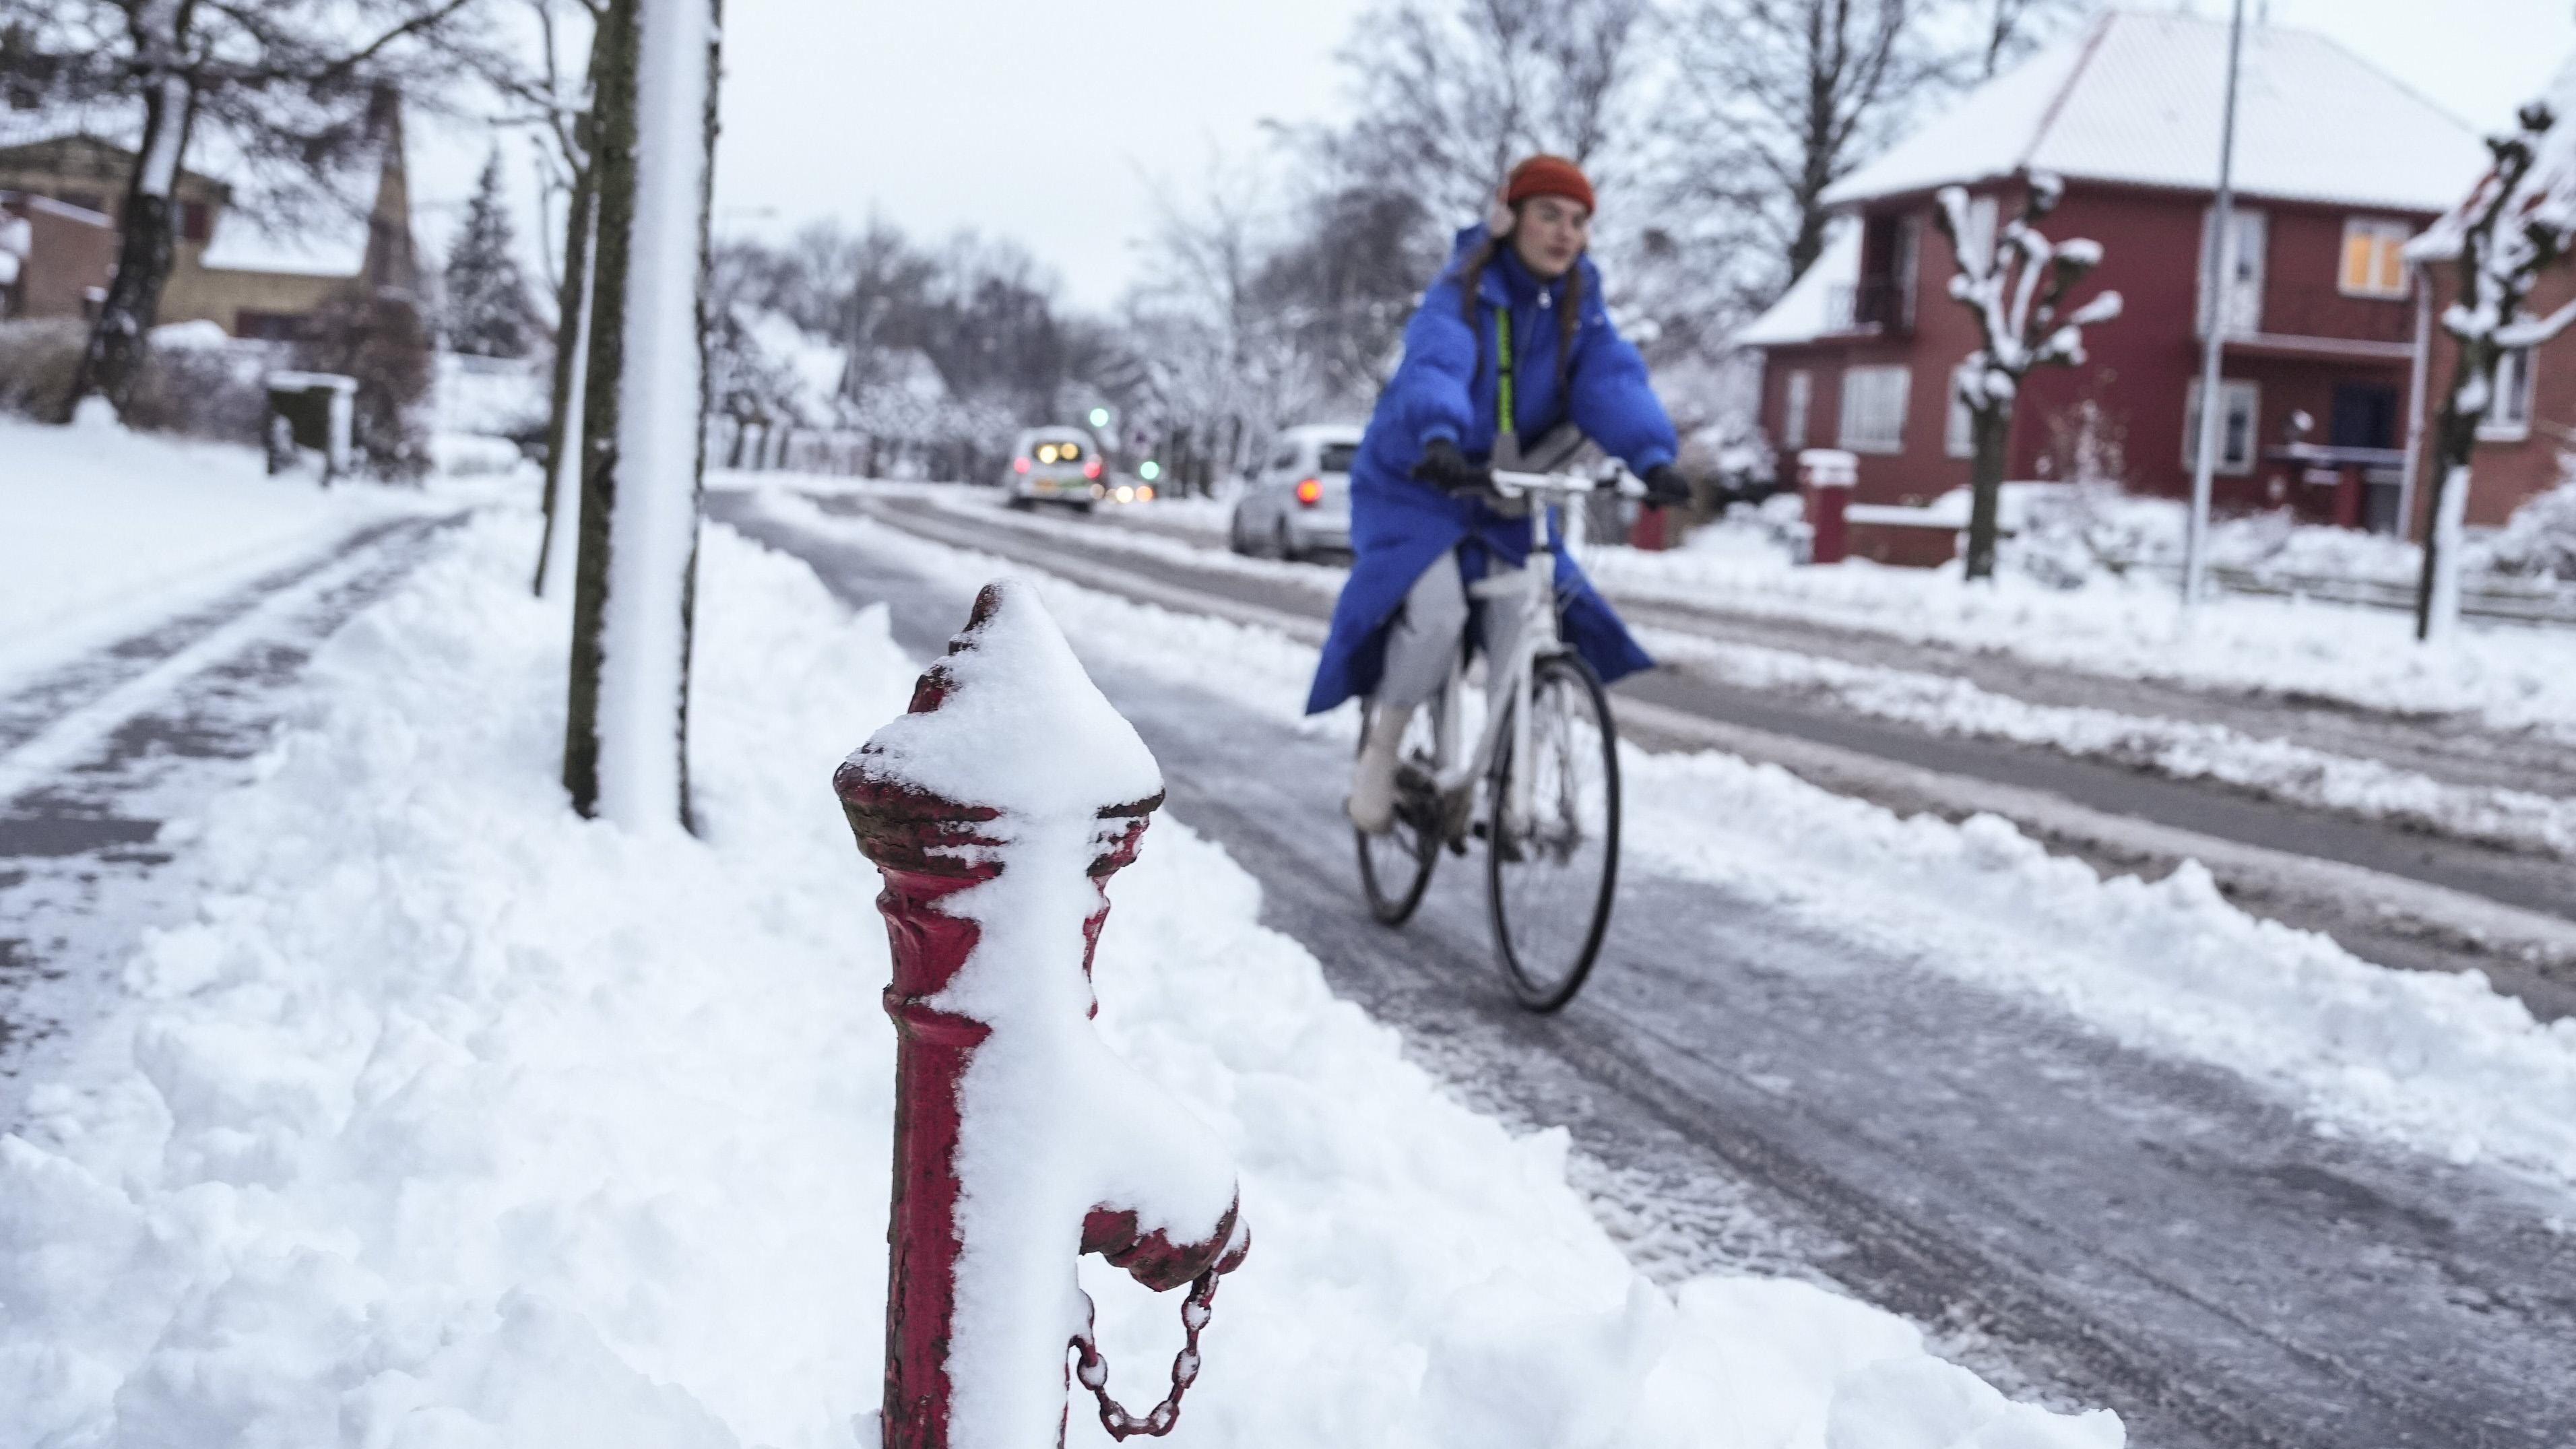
(1054, 465)
(1299, 502)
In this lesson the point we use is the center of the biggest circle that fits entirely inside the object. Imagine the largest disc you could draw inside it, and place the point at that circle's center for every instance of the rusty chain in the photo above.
(1093, 1370)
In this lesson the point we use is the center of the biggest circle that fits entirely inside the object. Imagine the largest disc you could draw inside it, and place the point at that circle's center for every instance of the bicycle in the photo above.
(1541, 786)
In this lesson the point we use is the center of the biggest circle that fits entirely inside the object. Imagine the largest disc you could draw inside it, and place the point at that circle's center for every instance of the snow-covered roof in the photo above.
(2138, 98)
(1806, 310)
(333, 245)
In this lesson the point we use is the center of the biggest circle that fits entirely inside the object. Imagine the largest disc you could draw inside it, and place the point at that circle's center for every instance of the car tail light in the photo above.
(1020, 464)
(1310, 491)
(1091, 469)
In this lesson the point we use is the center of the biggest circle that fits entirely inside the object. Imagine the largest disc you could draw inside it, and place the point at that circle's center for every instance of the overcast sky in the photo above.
(1055, 123)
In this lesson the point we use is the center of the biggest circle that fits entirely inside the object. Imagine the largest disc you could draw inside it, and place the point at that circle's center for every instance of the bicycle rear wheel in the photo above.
(1395, 868)
(1549, 877)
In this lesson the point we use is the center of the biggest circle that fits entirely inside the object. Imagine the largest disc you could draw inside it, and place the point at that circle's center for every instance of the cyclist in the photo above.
(1511, 341)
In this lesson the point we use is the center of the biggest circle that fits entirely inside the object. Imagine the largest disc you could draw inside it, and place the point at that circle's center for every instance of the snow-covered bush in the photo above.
(2069, 535)
(37, 359)
(2540, 539)
(185, 387)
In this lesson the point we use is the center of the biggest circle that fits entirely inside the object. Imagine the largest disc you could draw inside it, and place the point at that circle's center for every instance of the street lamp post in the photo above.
(2222, 264)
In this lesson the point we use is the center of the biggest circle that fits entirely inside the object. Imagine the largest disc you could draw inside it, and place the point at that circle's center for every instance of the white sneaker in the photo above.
(1372, 803)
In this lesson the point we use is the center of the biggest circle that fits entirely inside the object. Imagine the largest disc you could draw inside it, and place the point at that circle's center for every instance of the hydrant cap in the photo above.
(1009, 722)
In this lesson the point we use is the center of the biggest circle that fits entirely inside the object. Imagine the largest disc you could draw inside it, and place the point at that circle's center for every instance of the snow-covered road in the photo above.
(2287, 802)
(2226, 1263)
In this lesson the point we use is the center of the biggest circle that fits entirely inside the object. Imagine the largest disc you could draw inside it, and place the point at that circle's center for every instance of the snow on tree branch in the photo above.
(2015, 285)
(2015, 281)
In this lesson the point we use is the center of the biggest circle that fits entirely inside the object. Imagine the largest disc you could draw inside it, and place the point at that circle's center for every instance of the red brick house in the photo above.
(2337, 165)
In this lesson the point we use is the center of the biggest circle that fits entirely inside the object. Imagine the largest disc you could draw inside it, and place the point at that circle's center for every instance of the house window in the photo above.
(268, 326)
(2508, 418)
(2236, 440)
(195, 222)
(1874, 409)
(1798, 397)
(2241, 270)
(1980, 240)
(2374, 260)
(1959, 439)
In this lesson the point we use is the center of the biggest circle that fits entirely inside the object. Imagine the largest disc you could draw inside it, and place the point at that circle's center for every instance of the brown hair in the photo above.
(1471, 277)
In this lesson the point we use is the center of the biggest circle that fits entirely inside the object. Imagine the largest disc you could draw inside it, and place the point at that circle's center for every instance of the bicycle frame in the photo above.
(1532, 589)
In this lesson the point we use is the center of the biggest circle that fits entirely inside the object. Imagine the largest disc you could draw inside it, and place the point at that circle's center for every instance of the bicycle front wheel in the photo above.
(1552, 863)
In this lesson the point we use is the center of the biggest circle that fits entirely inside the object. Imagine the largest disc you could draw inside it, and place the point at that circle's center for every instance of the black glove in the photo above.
(1666, 486)
(1447, 469)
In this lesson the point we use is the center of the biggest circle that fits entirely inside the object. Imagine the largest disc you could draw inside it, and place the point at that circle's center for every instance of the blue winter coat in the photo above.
(1446, 388)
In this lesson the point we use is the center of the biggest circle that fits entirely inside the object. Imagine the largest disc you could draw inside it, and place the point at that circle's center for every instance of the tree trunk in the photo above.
(635, 584)
(1991, 427)
(2455, 438)
(112, 361)
(572, 356)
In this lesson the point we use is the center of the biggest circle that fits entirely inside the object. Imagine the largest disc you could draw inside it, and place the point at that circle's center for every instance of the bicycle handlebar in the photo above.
(1513, 485)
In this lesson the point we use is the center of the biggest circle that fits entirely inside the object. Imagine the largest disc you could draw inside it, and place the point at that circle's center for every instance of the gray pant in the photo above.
(1428, 632)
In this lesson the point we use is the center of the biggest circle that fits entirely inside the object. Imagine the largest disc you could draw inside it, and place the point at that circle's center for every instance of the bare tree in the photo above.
(2013, 281)
(2007, 30)
(1227, 353)
(1783, 98)
(287, 83)
(554, 98)
(1447, 101)
(2518, 222)
(1773, 101)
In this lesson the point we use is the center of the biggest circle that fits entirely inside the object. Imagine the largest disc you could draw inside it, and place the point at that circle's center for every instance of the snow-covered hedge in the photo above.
(2540, 539)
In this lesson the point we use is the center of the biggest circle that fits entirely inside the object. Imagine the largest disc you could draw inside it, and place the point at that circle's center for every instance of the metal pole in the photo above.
(2410, 477)
(2222, 263)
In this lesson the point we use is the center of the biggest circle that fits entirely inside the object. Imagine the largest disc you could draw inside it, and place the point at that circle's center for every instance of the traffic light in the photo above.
(1149, 470)
(1100, 417)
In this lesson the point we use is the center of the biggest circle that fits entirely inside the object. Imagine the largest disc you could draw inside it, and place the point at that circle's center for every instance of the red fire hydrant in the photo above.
(997, 808)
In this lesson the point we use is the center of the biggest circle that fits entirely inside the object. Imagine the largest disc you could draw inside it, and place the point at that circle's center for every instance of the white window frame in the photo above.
(2248, 265)
(2384, 231)
(1797, 407)
(1984, 215)
(1896, 381)
(2508, 418)
(2231, 390)
(1959, 435)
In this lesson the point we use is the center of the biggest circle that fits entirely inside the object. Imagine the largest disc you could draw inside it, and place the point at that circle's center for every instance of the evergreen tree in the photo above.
(487, 301)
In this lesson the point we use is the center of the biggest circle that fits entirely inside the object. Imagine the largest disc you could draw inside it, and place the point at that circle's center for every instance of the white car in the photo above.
(1054, 465)
(1299, 501)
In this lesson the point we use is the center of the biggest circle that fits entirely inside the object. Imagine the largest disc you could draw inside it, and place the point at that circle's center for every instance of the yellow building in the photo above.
(226, 267)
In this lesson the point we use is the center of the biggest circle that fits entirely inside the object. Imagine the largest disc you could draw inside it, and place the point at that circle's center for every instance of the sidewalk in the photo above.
(111, 532)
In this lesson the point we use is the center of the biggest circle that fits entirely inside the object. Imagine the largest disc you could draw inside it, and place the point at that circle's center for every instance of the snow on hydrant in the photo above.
(997, 809)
